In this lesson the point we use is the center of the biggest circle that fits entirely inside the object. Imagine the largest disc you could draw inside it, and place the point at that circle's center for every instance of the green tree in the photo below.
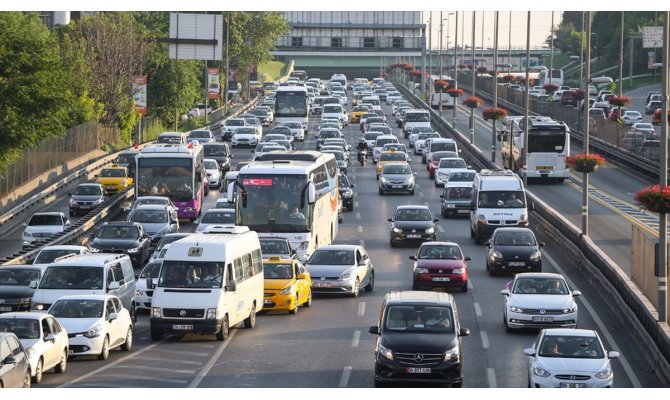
(566, 39)
(37, 99)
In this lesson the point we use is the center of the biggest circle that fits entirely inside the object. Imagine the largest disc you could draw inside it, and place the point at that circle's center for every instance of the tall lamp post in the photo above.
(662, 281)
(473, 73)
(527, 108)
(585, 178)
(495, 87)
(445, 58)
(439, 56)
(455, 70)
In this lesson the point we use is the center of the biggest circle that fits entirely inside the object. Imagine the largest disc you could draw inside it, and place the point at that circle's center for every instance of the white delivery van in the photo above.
(373, 101)
(416, 118)
(498, 199)
(208, 282)
(97, 273)
(439, 144)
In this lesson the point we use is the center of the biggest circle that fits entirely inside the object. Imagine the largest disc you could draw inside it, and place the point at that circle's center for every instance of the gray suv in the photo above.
(85, 197)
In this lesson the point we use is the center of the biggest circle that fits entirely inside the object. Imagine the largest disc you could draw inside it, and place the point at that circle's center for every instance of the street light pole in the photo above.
(474, 80)
(585, 178)
(551, 55)
(509, 41)
(440, 59)
(495, 87)
(621, 58)
(455, 71)
(581, 72)
(662, 281)
(526, 111)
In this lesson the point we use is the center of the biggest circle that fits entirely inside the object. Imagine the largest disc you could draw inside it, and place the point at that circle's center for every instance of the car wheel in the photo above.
(308, 303)
(472, 232)
(339, 217)
(507, 328)
(104, 354)
(294, 311)
(392, 243)
(39, 369)
(478, 238)
(357, 288)
(445, 214)
(222, 334)
(371, 285)
(464, 288)
(250, 321)
(379, 384)
(26, 379)
(128, 343)
(62, 364)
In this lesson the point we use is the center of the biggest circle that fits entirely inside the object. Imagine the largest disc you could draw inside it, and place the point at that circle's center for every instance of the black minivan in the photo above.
(419, 339)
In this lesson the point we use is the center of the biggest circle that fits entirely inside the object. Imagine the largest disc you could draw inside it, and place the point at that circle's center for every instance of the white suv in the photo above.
(43, 225)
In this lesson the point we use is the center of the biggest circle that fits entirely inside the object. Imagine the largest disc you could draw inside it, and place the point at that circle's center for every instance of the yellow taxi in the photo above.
(115, 178)
(287, 285)
(357, 112)
(390, 156)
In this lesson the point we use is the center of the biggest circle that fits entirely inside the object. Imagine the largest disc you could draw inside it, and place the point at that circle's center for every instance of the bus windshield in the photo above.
(190, 274)
(171, 177)
(546, 141)
(291, 104)
(272, 203)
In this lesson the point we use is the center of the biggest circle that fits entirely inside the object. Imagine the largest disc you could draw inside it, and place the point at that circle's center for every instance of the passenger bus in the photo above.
(301, 75)
(292, 104)
(436, 96)
(208, 282)
(556, 77)
(293, 182)
(176, 171)
(549, 146)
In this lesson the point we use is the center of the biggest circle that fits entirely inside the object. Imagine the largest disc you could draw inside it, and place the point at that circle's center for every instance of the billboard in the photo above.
(140, 93)
(213, 83)
(195, 36)
(232, 79)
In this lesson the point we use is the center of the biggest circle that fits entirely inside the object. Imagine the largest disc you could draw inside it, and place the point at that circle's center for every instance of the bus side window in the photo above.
(239, 271)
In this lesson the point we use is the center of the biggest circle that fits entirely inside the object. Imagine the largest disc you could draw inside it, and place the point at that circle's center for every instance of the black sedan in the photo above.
(412, 223)
(346, 194)
(513, 250)
(123, 238)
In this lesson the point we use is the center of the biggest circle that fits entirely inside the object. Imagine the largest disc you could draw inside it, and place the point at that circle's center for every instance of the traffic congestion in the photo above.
(328, 238)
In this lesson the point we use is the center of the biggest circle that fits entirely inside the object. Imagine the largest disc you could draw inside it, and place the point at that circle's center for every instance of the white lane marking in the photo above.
(485, 340)
(126, 377)
(360, 228)
(185, 353)
(361, 309)
(356, 204)
(361, 242)
(491, 377)
(154, 368)
(478, 310)
(440, 228)
(470, 285)
(108, 366)
(425, 203)
(172, 360)
(358, 215)
(205, 370)
(356, 339)
(345, 376)
(603, 328)
(421, 194)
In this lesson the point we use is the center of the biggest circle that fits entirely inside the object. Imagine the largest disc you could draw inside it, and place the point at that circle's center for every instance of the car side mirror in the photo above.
(69, 194)
(613, 354)
(472, 207)
(413, 258)
(464, 332)
(50, 338)
(576, 293)
(390, 219)
(505, 292)
(435, 220)
(374, 330)
(24, 224)
(353, 185)
(441, 196)
(33, 284)
(231, 286)
(531, 206)
(468, 258)
(150, 283)
(301, 276)
(9, 361)
(113, 285)
(542, 244)
(113, 316)
(488, 242)
(529, 352)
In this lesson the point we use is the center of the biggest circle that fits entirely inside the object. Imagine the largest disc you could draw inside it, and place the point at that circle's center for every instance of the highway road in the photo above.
(328, 344)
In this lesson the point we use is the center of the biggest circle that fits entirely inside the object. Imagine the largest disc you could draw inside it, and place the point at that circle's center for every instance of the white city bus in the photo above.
(556, 77)
(436, 96)
(209, 281)
(291, 104)
(549, 146)
(293, 195)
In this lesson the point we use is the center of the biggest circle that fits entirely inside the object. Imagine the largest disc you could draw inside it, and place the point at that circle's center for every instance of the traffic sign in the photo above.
(652, 37)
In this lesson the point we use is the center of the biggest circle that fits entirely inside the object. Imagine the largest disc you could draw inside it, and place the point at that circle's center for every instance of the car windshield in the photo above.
(219, 216)
(151, 270)
(273, 246)
(149, 216)
(125, 158)
(413, 214)
(440, 252)
(447, 163)
(200, 135)
(45, 219)
(215, 150)
(23, 328)
(419, 318)
(88, 190)
(118, 232)
(70, 308)
(167, 239)
(47, 256)
(332, 257)
(152, 201)
(426, 135)
(514, 239)
(501, 199)
(18, 276)
(211, 164)
(339, 156)
(112, 173)
(237, 122)
(644, 126)
(540, 285)
(191, 274)
(393, 157)
(395, 169)
(277, 271)
(372, 135)
(462, 176)
(571, 347)
(75, 278)
(458, 193)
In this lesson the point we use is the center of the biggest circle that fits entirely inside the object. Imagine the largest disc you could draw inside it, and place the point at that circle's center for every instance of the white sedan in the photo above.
(569, 358)
(43, 338)
(297, 130)
(631, 117)
(95, 323)
(216, 216)
(539, 300)
(213, 172)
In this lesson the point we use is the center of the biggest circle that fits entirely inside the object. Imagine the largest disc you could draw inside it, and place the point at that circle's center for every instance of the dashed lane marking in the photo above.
(485, 340)
(361, 309)
(491, 377)
(478, 310)
(360, 229)
(345, 376)
(356, 339)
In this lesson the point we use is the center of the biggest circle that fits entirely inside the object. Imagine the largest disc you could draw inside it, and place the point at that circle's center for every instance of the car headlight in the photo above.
(397, 230)
(347, 194)
(211, 313)
(516, 309)
(156, 312)
(139, 293)
(605, 374)
(347, 275)
(73, 202)
(410, 180)
(382, 180)
(481, 220)
(100, 200)
(420, 270)
(458, 271)
(496, 255)
(442, 175)
(430, 231)
(523, 219)
(535, 255)
(95, 331)
(541, 372)
(569, 310)
(133, 251)
(27, 235)
(451, 355)
(384, 352)
(288, 290)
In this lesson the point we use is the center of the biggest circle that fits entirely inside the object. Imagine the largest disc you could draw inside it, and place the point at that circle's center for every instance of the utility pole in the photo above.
(551, 54)
(621, 58)
(473, 73)
(430, 50)
(585, 176)
(226, 88)
(526, 109)
(495, 87)
(663, 177)
(455, 70)
(440, 59)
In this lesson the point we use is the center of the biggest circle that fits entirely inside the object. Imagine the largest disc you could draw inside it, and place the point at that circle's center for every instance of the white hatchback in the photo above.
(95, 324)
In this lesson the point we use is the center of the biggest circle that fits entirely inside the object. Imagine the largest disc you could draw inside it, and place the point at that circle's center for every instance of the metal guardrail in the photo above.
(656, 341)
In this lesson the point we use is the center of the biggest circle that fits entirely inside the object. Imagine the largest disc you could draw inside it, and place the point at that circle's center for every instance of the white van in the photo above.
(438, 144)
(416, 118)
(379, 143)
(97, 273)
(373, 101)
(498, 199)
(208, 282)
(335, 111)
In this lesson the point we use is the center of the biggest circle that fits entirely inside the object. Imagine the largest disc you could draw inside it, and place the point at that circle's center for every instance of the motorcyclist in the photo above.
(362, 151)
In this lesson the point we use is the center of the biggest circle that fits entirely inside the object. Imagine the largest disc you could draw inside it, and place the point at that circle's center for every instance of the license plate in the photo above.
(396, 186)
(543, 319)
(267, 302)
(84, 207)
(322, 284)
(516, 263)
(463, 211)
(182, 327)
(413, 236)
(418, 370)
(573, 385)
(110, 187)
(70, 352)
(5, 308)
(441, 279)
(544, 167)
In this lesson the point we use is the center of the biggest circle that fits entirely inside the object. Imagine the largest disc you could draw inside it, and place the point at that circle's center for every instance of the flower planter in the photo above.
(473, 102)
(619, 101)
(585, 167)
(455, 92)
(494, 113)
(654, 199)
(583, 162)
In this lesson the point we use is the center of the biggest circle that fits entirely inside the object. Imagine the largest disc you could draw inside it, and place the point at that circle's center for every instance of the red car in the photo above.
(440, 265)
(431, 165)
